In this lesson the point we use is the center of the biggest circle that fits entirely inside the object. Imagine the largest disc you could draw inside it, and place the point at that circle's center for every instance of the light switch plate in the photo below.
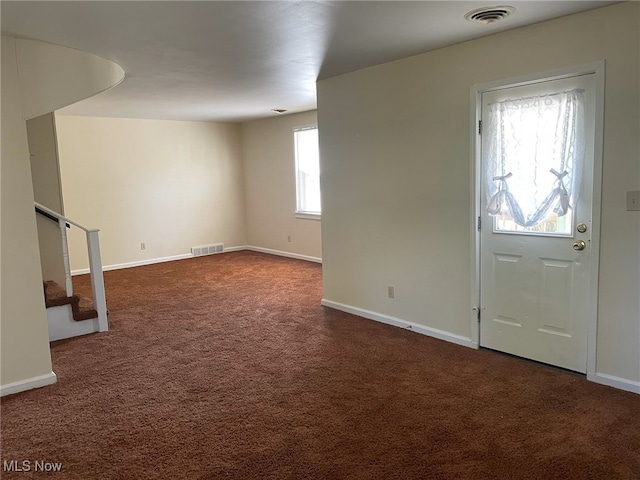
(633, 201)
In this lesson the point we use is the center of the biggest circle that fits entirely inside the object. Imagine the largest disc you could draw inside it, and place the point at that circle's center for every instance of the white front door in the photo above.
(535, 272)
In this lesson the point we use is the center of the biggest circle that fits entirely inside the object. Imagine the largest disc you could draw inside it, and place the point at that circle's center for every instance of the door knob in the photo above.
(579, 245)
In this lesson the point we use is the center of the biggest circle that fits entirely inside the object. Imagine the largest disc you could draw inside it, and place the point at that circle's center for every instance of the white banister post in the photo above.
(65, 257)
(97, 279)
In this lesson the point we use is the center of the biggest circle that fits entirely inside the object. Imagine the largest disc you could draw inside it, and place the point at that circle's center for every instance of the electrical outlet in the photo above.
(143, 246)
(288, 238)
(633, 201)
(391, 291)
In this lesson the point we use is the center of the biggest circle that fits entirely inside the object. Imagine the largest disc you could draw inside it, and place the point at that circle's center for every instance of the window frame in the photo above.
(297, 212)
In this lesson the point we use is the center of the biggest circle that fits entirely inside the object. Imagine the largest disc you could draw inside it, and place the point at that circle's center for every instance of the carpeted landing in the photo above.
(227, 367)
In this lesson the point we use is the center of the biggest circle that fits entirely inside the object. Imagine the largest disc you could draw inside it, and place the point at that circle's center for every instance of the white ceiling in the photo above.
(237, 60)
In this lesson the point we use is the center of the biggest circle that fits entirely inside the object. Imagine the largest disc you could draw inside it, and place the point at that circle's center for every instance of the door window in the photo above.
(533, 157)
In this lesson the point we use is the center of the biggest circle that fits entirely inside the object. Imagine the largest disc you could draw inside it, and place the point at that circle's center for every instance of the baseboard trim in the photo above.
(140, 263)
(235, 249)
(28, 384)
(151, 261)
(284, 254)
(615, 382)
(397, 322)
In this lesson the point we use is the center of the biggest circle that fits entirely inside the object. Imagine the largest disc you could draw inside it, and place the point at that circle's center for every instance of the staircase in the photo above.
(56, 296)
(68, 316)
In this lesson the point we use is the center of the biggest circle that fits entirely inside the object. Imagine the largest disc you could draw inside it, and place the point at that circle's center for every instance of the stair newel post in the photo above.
(65, 257)
(97, 279)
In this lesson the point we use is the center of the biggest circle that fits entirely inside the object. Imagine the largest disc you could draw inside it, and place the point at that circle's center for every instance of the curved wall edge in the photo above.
(52, 76)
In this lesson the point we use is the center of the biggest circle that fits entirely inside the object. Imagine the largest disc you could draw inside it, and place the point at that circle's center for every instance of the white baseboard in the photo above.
(235, 249)
(601, 378)
(28, 384)
(616, 382)
(139, 263)
(151, 261)
(414, 327)
(283, 254)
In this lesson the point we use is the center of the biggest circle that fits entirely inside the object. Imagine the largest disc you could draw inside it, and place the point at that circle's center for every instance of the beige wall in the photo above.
(395, 156)
(171, 185)
(45, 177)
(70, 74)
(51, 76)
(24, 336)
(269, 164)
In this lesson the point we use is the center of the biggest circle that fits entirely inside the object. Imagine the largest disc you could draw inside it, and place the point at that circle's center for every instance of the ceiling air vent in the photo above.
(489, 15)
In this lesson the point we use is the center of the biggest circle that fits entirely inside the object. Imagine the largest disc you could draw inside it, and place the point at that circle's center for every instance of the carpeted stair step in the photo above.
(56, 296)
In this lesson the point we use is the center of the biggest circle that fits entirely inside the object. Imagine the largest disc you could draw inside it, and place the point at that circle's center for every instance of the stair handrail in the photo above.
(95, 264)
(53, 213)
(49, 216)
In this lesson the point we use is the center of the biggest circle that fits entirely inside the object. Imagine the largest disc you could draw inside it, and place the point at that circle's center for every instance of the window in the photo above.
(307, 170)
(534, 158)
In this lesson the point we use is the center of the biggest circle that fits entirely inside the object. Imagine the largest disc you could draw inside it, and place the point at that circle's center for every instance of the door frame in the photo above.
(598, 69)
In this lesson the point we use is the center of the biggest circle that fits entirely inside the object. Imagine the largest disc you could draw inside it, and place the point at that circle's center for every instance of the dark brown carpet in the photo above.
(227, 367)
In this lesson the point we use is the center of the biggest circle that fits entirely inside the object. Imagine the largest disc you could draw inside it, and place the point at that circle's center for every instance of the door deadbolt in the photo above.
(581, 228)
(579, 245)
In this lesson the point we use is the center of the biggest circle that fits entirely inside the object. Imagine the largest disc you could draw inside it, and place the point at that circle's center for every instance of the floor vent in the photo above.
(207, 250)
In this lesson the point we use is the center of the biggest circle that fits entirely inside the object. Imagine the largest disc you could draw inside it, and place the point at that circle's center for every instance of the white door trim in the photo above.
(598, 69)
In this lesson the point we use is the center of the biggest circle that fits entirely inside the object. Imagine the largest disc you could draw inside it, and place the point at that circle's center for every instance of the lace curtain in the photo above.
(533, 156)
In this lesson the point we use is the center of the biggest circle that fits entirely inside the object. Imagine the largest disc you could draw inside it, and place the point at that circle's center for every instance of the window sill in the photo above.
(308, 216)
